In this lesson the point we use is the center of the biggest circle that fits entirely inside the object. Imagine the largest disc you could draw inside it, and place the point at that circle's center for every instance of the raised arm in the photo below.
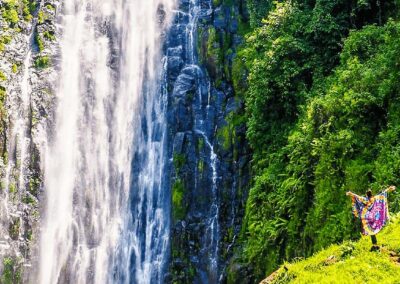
(390, 189)
(352, 194)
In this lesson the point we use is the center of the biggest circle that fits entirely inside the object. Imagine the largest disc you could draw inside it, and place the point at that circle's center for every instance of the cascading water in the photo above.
(23, 122)
(17, 169)
(106, 216)
(204, 128)
(202, 122)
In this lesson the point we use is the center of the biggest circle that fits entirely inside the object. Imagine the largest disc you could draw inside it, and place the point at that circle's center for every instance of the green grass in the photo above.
(350, 262)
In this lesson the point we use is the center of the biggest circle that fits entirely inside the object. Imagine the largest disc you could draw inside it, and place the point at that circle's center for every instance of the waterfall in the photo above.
(17, 171)
(202, 123)
(106, 217)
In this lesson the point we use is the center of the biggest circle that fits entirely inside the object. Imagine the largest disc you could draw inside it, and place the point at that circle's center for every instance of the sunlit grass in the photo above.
(350, 262)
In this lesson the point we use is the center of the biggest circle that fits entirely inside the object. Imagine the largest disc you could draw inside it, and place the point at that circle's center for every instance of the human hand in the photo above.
(349, 193)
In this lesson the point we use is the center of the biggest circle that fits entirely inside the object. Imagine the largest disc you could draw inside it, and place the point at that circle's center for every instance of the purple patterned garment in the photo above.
(373, 212)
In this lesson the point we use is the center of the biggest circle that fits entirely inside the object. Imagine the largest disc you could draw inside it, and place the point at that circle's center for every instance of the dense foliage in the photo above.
(258, 9)
(322, 110)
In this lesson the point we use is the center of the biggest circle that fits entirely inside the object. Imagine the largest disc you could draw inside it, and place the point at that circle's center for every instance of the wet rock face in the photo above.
(28, 47)
(207, 149)
(209, 168)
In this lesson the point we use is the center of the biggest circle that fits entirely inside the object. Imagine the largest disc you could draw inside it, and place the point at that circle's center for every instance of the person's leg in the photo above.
(373, 239)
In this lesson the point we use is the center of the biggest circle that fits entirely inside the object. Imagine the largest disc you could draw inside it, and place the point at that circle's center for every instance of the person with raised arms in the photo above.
(373, 212)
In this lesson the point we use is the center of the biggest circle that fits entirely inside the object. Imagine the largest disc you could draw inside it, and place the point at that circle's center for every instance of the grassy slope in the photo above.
(350, 262)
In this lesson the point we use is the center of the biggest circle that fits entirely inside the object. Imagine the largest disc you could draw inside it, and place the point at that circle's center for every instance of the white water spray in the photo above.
(109, 118)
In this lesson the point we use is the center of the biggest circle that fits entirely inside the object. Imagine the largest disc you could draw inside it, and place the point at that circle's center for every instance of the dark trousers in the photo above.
(373, 239)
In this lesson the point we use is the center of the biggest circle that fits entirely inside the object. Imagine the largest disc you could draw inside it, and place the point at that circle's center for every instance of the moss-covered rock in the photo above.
(12, 271)
(178, 204)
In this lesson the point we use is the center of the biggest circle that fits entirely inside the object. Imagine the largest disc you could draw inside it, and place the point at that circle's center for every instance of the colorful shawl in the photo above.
(373, 212)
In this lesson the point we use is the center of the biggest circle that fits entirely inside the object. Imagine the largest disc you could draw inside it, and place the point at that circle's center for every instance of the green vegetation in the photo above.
(258, 10)
(28, 199)
(179, 161)
(3, 41)
(3, 77)
(350, 262)
(29, 8)
(49, 35)
(178, 206)
(39, 42)
(216, 3)
(215, 48)
(50, 7)
(14, 10)
(11, 16)
(14, 68)
(224, 134)
(320, 83)
(42, 62)
(14, 228)
(34, 184)
(11, 272)
(2, 94)
(12, 188)
(2, 109)
(41, 17)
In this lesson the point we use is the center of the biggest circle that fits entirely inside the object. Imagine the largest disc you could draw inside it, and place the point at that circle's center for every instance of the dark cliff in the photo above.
(210, 157)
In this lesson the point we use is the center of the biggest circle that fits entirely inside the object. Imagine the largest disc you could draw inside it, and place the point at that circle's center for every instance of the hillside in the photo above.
(321, 109)
(196, 141)
(349, 262)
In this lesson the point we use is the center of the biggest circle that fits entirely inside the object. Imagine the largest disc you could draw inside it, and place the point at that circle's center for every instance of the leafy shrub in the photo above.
(42, 62)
